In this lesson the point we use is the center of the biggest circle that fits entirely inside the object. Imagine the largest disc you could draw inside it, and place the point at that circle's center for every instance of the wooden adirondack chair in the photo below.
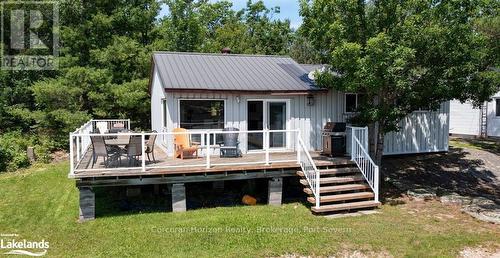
(183, 144)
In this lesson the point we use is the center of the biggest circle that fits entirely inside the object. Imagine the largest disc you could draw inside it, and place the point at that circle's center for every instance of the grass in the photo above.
(490, 145)
(41, 203)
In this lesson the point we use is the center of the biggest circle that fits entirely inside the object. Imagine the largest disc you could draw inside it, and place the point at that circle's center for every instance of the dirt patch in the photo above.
(457, 171)
(475, 252)
(58, 156)
(466, 177)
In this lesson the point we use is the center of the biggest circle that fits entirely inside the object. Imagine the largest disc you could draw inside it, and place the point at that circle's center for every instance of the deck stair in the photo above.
(342, 189)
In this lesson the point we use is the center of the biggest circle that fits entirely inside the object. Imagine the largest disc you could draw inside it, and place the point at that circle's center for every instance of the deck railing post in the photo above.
(207, 142)
(317, 194)
(297, 147)
(143, 140)
(78, 154)
(353, 146)
(71, 159)
(366, 141)
(266, 145)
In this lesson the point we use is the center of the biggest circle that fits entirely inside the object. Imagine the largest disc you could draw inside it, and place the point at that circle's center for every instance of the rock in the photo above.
(455, 199)
(422, 193)
(483, 209)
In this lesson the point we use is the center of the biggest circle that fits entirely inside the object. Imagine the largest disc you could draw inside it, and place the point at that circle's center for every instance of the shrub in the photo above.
(13, 147)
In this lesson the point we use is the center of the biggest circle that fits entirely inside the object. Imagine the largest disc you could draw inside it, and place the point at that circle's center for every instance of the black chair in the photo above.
(229, 147)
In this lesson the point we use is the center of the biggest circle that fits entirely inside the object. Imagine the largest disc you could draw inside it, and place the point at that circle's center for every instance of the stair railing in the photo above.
(309, 168)
(359, 154)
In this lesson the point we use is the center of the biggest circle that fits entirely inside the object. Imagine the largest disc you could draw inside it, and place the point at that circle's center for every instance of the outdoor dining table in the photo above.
(117, 142)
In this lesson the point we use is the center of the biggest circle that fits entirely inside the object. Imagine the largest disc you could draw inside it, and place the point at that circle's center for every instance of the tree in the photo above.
(403, 55)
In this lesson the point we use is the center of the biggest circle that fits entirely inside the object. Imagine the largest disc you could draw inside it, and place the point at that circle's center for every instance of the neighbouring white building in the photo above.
(470, 121)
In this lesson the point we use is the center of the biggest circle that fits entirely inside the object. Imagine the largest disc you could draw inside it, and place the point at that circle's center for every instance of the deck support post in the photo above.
(87, 204)
(275, 191)
(178, 197)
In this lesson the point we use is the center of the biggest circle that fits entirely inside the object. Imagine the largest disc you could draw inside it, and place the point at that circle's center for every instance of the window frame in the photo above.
(356, 102)
(164, 113)
(201, 99)
(496, 103)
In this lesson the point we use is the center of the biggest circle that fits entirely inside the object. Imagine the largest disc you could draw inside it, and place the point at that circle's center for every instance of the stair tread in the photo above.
(332, 180)
(333, 171)
(339, 188)
(342, 197)
(341, 179)
(346, 206)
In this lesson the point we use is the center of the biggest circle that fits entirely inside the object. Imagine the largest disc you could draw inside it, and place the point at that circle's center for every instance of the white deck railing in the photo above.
(309, 168)
(80, 145)
(359, 154)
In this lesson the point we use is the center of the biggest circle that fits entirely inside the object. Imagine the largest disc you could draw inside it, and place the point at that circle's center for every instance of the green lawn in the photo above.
(41, 203)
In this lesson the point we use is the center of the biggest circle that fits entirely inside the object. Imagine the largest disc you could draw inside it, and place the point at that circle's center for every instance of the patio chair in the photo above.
(99, 149)
(230, 145)
(182, 144)
(134, 149)
(150, 146)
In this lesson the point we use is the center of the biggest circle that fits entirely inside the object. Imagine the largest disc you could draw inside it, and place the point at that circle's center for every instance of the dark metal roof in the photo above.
(229, 72)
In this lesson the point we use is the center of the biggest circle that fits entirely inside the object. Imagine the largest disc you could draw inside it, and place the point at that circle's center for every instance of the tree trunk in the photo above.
(380, 146)
(372, 139)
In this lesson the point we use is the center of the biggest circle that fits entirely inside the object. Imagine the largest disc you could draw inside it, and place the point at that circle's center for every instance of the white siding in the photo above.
(157, 94)
(493, 119)
(464, 118)
(420, 132)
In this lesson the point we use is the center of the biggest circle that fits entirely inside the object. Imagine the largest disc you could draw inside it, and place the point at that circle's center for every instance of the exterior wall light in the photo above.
(310, 100)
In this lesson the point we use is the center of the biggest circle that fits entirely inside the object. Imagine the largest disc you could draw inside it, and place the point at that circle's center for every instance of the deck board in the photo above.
(197, 166)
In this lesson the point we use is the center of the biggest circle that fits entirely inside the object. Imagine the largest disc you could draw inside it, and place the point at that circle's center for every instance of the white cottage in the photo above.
(243, 117)
(255, 92)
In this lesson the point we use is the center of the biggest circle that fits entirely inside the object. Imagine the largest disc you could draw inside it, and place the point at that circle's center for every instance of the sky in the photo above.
(289, 9)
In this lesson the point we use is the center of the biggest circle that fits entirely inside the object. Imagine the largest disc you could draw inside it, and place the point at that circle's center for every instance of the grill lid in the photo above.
(335, 127)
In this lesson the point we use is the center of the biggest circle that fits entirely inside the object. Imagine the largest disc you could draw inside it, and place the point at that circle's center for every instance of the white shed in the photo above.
(476, 121)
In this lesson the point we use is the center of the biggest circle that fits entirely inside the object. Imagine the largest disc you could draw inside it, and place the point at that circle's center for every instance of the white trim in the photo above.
(265, 121)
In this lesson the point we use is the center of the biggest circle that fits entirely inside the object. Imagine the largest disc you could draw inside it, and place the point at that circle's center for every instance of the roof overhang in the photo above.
(250, 92)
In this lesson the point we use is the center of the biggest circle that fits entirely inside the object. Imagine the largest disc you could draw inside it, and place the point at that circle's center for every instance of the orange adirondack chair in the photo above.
(183, 144)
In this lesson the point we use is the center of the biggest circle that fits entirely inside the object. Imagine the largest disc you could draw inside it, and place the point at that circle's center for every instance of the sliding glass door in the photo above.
(267, 114)
(276, 121)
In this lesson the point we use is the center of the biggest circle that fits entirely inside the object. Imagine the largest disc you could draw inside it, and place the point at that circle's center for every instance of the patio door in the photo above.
(267, 114)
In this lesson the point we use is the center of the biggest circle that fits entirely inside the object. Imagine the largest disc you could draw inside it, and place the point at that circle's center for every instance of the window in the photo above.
(497, 107)
(201, 114)
(164, 112)
(352, 101)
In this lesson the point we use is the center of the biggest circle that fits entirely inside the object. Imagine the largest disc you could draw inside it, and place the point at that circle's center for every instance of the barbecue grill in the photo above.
(334, 139)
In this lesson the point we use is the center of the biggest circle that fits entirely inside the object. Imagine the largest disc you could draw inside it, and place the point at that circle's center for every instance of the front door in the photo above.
(267, 114)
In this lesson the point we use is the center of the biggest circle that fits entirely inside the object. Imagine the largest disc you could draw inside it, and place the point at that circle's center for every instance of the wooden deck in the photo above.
(166, 165)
